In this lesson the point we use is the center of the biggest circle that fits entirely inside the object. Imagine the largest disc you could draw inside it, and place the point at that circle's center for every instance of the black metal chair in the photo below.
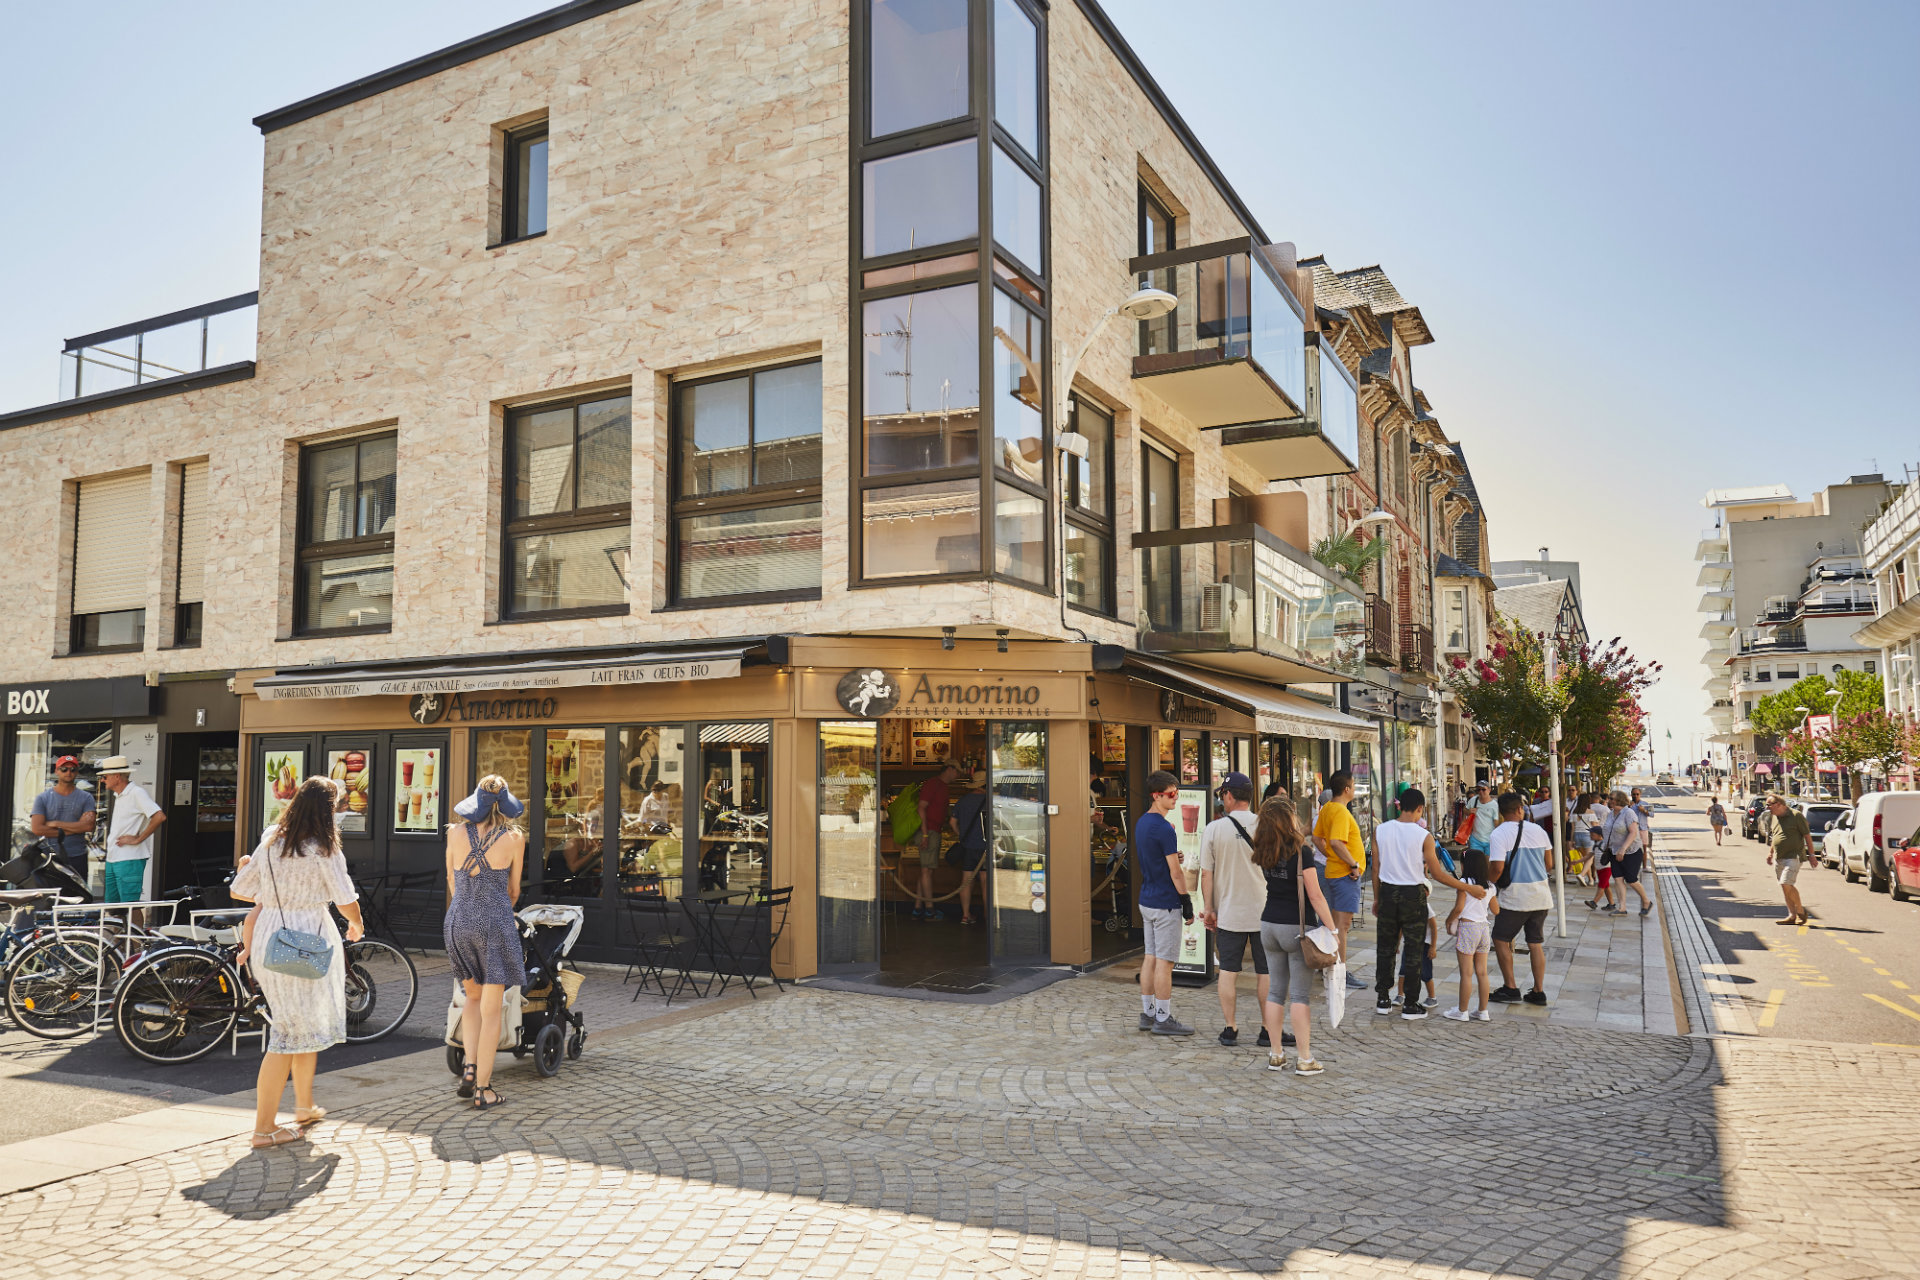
(663, 942)
(738, 938)
(413, 907)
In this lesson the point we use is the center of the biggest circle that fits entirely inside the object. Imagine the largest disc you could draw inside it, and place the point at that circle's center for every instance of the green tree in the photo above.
(1781, 712)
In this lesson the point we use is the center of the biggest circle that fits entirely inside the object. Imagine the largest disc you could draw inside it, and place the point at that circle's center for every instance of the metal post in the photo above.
(1552, 656)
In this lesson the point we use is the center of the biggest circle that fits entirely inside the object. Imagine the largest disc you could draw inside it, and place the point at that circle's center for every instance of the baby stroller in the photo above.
(39, 866)
(1119, 888)
(537, 1019)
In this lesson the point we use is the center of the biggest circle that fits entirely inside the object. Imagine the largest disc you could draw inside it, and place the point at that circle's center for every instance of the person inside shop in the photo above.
(65, 814)
(935, 804)
(656, 815)
(969, 821)
(130, 834)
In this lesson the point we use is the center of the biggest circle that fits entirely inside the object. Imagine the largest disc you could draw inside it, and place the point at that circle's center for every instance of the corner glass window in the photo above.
(524, 208)
(747, 506)
(569, 486)
(344, 577)
(1016, 75)
(1018, 348)
(1019, 534)
(920, 199)
(1016, 211)
(918, 530)
(922, 388)
(917, 50)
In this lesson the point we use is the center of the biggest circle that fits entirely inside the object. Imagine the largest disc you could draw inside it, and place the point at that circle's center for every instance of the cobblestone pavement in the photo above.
(830, 1134)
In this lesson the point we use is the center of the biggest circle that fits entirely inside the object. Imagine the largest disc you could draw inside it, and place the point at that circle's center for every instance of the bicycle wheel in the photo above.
(177, 1005)
(60, 982)
(381, 988)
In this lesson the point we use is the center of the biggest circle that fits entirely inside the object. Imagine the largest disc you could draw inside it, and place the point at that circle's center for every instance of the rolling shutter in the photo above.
(193, 533)
(110, 544)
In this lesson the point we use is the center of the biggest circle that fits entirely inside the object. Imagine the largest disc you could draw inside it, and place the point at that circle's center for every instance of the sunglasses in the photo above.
(1167, 795)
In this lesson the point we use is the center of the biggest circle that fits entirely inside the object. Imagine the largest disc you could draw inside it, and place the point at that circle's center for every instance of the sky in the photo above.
(1662, 248)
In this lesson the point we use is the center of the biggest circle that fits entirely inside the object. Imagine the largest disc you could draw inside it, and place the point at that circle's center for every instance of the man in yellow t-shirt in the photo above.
(1337, 836)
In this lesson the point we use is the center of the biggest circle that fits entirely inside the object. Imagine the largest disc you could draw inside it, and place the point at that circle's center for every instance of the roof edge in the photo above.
(454, 55)
(1117, 43)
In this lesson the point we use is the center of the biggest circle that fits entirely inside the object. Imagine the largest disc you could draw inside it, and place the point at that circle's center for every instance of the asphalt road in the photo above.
(1852, 975)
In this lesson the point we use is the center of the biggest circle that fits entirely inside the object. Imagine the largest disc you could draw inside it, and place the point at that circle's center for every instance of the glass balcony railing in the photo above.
(211, 336)
(1239, 598)
(1234, 350)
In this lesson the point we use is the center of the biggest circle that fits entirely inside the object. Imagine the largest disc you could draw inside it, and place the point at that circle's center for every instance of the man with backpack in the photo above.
(1235, 893)
(1519, 857)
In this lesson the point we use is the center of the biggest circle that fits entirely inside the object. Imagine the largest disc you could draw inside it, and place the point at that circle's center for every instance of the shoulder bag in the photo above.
(1316, 957)
(1505, 877)
(293, 953)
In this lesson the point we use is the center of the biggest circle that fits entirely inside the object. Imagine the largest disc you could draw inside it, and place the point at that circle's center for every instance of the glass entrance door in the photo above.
(1017, 883)
(849, 843)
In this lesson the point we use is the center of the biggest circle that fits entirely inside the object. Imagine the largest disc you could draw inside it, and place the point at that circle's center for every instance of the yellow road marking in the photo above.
(1899, 984)
(1772, 1010)
(1864, 960)
(1803, 928)
(1883, 973)
(1891, 1005)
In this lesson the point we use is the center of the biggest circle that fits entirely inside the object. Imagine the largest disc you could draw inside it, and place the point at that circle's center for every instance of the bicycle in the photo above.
(178, 1003)
(61, 982)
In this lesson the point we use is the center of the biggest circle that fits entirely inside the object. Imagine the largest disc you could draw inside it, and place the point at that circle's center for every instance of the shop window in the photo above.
(110, 575)
(35, 748)
(508, 753)
(747, 488)
(523, 206)
(849, 832)
(344, 575)
(569, 509)
(190, 576)
(735, 823)
(918, 55)
(1089, 497)
(652, 811)
(574, 810)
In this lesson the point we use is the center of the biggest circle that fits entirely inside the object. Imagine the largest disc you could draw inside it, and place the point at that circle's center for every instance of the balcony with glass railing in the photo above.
(1712, 542)
(1238, 598)
(180, 345)
(1718, 627)
(1237, 354)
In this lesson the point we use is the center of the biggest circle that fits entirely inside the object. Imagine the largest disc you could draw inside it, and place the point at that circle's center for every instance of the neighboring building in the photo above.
(586, 429)
(1550, 608)
(1891, 550)
(1519, 573)
(1784, 587)
(1465, 592)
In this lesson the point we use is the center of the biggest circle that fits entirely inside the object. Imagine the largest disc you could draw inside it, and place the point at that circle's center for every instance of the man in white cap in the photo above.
(130, 834)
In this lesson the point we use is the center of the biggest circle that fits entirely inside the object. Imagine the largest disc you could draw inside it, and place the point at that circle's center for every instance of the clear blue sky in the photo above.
(1663, 248)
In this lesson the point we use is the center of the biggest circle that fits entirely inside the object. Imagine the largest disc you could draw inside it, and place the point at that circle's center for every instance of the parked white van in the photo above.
(1860, 844)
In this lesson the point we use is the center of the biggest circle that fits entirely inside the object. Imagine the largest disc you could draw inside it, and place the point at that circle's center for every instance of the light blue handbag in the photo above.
(294, 952)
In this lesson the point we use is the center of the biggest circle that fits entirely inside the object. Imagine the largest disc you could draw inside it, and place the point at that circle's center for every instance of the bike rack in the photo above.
(239, 1032)
(100, 913)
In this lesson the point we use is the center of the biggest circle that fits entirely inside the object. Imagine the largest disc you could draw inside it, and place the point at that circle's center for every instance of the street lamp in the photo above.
(1141, 304)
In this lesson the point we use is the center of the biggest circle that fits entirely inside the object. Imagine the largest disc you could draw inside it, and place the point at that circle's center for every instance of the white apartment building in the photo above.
(1784, 587)
(1891, 547)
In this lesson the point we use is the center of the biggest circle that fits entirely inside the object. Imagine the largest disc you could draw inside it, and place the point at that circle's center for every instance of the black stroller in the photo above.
(1119, 888)
(539, 1018)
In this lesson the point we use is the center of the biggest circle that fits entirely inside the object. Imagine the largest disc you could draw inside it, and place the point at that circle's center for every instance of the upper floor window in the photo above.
(1871, 666)
(746, 511)
(523, 208)
(190, 577)
(569, 508)
(109, 607)
(919, 56)
(1157, 337)
(1160, 509)
(1016, 74)
(1454, 624)
(343, 577)
(1089, 492)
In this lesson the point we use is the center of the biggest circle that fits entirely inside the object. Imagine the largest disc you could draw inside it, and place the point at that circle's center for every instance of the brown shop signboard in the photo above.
(872, 693)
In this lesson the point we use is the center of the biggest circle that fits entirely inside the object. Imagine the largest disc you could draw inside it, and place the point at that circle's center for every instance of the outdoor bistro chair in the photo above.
(737, 939)
(663, 942)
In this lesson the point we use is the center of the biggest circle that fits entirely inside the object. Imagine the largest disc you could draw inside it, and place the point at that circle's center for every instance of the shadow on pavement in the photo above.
(262, 1184)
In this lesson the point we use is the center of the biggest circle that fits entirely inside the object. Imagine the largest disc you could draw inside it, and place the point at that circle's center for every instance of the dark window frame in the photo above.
(978, 123)
(512, 140)
(306, 552)
(608, 515)
(1149, 449)
(1104, 527)
(753, 497)
(188, 618)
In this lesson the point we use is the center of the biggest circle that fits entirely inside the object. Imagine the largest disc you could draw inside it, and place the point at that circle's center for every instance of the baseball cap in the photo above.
(1234, 781)
(67, 762)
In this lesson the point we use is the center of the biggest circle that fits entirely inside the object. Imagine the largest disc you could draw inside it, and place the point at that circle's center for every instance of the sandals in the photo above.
(465, 1088)
(277, 1138)
(310, 1119)
(480, 1093)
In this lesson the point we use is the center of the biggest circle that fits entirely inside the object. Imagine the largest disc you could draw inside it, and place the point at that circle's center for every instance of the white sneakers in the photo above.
(1462, 1015)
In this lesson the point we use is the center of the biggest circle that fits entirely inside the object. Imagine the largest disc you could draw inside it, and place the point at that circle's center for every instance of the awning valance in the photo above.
(632, 667)
(1275, 711)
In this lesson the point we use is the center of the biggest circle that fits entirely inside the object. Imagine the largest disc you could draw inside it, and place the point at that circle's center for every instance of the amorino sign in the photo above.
(933, 694)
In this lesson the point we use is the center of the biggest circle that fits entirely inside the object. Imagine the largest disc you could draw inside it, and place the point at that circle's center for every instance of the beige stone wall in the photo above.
(698, 218)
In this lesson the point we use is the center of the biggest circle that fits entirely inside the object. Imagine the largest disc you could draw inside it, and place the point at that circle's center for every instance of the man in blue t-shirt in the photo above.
(1525, 901)
(1164, 904)
(65, 814)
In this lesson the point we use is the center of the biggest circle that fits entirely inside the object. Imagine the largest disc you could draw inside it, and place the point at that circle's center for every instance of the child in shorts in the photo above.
(1471, 925)
(1426, 965)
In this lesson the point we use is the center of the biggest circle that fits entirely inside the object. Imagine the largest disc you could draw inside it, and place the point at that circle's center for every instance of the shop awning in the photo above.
(628, 667)
(1275, 711)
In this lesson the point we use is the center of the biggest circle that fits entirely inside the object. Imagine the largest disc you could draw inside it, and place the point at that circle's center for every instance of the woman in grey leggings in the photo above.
(1282, 850)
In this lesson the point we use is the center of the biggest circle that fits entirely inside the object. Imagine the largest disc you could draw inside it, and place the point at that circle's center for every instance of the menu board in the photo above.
(1113, 743)
(354, 771)
(416, 789)
(284, 772)
(1189, 818)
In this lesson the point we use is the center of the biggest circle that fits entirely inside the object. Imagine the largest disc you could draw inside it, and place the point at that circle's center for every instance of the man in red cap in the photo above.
(64, 814)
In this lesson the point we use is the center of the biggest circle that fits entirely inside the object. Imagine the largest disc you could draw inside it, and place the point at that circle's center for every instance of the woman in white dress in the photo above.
(297, 870)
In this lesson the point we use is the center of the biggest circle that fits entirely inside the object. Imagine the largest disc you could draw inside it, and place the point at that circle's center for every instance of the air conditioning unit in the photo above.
(1224, 607)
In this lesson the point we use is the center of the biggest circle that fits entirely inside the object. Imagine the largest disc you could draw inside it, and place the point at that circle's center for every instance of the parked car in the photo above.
(1750, 817)
(1820, 817)
(1903, 870)
(1878, 828)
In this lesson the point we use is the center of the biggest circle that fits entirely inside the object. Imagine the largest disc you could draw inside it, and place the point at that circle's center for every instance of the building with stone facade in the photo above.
(715, 419)
(1890, 548)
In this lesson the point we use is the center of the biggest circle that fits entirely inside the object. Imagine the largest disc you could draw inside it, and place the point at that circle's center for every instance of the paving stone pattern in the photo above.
(834, 1134)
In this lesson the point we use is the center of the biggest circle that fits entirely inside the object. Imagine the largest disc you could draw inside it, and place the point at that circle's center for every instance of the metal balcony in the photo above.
(1238, 598)
(1381, 650)
(181, 344)
(1416, 648)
